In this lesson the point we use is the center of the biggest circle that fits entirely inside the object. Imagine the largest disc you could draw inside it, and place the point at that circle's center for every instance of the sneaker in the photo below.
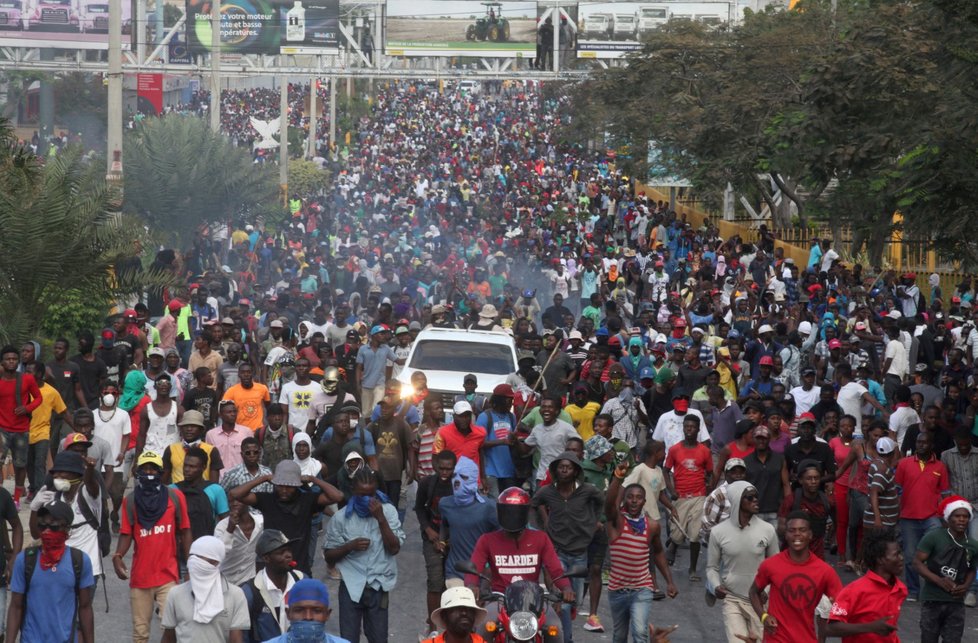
(970, 599)
(711, 600)
(593, 624)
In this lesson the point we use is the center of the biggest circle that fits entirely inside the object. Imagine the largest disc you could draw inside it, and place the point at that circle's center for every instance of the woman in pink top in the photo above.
(841, 445)
(861, 453)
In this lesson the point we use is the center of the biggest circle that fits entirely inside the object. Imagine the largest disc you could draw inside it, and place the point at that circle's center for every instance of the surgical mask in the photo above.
(62, 485)
(108, 399)
(188, 445)
(306, 632)
(354, 423)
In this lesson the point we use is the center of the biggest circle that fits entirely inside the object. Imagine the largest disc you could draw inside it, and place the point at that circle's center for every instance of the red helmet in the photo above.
(513, 509)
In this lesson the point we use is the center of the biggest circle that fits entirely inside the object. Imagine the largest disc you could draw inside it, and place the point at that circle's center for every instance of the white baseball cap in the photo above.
(461, 407)
(765, 328)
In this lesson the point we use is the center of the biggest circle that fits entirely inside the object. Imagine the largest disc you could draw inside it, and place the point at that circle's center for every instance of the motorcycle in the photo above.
(522, 608)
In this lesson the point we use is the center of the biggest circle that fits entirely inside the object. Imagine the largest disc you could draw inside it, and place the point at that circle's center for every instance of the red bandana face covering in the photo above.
(52, 547)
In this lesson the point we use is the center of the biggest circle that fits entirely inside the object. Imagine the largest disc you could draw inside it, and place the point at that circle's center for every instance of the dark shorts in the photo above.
(434, 565)
(941, 621)
(16, 444)
(598, 549)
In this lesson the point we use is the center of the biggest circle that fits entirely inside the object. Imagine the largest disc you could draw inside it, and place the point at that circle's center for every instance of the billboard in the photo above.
(266, 26)
(461, 28)
(67, 24)
(149, 94)
(610, 29)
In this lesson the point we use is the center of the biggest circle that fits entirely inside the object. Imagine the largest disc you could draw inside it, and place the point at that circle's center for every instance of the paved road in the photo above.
(697, 622)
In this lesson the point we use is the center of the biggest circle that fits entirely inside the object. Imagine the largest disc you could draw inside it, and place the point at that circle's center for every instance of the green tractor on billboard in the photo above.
(492, 26)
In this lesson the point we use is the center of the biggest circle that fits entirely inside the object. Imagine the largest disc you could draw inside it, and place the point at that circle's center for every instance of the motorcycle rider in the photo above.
(515, 553)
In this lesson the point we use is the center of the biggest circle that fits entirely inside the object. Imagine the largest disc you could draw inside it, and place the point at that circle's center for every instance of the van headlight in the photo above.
(523, 626)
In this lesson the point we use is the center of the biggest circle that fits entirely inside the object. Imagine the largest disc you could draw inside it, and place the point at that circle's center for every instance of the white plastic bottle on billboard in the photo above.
(295, 23)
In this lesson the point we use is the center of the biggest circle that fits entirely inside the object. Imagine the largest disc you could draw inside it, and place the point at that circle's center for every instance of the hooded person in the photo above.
(208, 607)
(737, 547)
(308, 465)
(465, 516)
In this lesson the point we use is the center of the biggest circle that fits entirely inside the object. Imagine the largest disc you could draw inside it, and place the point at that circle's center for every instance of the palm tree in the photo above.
(180, 175)
(60, 234)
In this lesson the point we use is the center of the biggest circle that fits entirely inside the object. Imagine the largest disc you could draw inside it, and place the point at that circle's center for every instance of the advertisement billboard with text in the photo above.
(608, 29)
(67, 24)
(461, 28)
(266, 26)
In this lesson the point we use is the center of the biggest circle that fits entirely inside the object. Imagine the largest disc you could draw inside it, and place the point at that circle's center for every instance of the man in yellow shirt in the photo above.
(582, 412)
(39, 451)
(250, 397)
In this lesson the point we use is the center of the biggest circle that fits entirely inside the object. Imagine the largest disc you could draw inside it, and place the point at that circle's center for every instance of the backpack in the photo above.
(818, 522)
(31, 559)
(200, 511)
(259, 600)
(100, 526)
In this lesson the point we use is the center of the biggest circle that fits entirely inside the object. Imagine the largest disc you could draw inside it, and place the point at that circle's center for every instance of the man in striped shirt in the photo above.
(631, 536)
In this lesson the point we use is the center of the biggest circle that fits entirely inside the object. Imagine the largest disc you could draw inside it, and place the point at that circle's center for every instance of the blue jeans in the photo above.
(630, 612)
(911, 531)
(371, 611)
(568, 561)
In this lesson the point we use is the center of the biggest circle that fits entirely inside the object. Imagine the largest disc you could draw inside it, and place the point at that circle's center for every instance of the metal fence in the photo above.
(900, 254)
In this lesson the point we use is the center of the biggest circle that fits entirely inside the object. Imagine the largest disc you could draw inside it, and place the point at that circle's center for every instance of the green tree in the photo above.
(306, 178)
(179, 175)
(60, 232)
(708, 100)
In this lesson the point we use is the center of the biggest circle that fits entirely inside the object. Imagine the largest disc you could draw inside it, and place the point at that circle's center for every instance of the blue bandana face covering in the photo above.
(307, 632)
(465, 482)
(361, 504)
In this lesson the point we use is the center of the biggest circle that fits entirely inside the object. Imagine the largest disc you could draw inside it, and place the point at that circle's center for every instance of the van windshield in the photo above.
(464, 357)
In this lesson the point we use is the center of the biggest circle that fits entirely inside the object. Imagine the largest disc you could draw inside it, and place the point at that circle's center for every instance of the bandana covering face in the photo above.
(361, 504)
(465, 482)
(205, 578)
(52, 547)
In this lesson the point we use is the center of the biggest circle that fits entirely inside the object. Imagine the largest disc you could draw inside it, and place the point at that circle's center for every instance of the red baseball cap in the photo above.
(766, 360)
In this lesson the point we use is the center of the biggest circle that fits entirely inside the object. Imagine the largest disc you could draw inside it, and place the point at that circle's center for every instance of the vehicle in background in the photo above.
(10, 14)
(711, 20)
(624, 26)
(53, 15)
(469, 86)
(446, 356)
(598, 26)
(95, 16)
(651, 17)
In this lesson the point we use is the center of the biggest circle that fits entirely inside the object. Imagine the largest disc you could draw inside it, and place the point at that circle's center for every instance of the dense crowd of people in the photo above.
(674, 394)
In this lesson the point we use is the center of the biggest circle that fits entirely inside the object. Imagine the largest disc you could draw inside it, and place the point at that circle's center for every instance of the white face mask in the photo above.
(62, 485)
(354, 423)
(108, 399)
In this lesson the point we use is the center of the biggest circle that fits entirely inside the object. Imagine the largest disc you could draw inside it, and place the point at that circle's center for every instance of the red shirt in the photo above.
(468, 445)
(510, 561)
(154, 561)
(795, 592)
(868, 599)
(689, 466)
(922, 484)
(30, 397)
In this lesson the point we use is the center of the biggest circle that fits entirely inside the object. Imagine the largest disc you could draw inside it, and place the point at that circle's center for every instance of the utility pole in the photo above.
(216, 65)
(313, 121)
(332, 114)
(113, 156)
(283, 138)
